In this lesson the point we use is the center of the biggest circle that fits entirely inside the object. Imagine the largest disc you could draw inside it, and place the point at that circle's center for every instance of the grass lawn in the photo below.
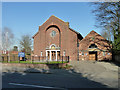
(30, 62)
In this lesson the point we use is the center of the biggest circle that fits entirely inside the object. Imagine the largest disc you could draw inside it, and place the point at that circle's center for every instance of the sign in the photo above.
(21, 54)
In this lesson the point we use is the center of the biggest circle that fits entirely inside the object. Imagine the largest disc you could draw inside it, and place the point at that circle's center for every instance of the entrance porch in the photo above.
(53, 55)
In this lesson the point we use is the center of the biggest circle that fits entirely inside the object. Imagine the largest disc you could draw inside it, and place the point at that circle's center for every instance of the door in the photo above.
(92, 55)
(53, 55)
(58, 55)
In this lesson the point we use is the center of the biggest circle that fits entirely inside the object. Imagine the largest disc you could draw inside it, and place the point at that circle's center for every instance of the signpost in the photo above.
(21, 55)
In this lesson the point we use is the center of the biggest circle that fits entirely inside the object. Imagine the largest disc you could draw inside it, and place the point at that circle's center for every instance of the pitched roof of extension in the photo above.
(87, 40)
(87, 35)
(61, 21)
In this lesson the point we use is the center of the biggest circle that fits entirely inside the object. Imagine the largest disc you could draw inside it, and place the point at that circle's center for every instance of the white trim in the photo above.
(52, 50)
(50, 54)
(41, 53)
(56, 55)
(46, 55)
(64, 53)
(52, 45)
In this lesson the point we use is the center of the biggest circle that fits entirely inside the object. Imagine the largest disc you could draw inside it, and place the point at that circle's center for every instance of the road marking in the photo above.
(34, 86)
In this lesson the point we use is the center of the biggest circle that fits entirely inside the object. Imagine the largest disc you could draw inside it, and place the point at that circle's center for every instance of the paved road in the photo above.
(59, 79)
(88, 75)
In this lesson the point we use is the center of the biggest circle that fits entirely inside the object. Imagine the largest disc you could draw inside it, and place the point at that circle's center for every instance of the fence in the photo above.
(47, 59)
(6, 58)
(33, 59)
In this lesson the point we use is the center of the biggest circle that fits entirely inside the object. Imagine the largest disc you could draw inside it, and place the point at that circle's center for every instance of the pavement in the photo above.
(102, 72)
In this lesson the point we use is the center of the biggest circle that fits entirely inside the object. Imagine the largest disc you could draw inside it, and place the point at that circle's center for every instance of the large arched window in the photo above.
(93, 46)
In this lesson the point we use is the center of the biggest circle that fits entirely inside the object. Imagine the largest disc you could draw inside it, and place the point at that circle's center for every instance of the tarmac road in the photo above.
(61, 79)
(83, 75)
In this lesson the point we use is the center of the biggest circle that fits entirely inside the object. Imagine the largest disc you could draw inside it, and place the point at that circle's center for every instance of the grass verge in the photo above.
(30, 62)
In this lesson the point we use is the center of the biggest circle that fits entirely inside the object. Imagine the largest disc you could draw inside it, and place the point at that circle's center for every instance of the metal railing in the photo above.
(47, 59)
(33, 59)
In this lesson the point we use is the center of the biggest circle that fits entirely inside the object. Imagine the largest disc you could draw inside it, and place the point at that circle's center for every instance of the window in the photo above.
(53, 33)
(103, 53)
(41, 53)
(64, 53)
(92, 46)
(52, 47)
(82, 53)
(77, 44)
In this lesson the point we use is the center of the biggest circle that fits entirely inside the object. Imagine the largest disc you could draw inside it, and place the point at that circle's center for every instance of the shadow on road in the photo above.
(55, 78)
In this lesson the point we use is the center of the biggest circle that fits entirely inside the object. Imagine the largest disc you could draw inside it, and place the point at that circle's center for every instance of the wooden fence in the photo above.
(6, 58)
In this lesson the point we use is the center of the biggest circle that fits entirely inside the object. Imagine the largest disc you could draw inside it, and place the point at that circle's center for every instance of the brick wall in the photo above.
(103, 46)
(65, 38)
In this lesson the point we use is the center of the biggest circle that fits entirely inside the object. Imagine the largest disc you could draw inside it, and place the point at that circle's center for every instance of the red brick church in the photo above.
(55, 38)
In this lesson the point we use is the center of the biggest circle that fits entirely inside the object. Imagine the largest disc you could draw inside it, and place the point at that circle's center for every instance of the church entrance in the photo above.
(53, 55)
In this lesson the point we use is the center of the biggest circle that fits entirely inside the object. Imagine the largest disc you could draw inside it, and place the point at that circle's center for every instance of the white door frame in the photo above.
(50, 54)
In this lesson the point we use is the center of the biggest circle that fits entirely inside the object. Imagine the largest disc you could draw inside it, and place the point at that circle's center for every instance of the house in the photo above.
(55, 39)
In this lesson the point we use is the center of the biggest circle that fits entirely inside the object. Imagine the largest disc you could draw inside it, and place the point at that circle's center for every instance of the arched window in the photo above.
(41, 53)
(53, 46)
(53, 33)
(92, 46)
(64, 53)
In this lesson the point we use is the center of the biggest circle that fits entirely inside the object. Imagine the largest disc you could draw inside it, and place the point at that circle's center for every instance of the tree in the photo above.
(7, 39)
(15, 48)
(26, 44)
(108, 15)
(106, 34)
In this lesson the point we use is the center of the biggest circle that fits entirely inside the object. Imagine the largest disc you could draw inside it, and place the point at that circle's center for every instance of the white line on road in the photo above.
(34, 86)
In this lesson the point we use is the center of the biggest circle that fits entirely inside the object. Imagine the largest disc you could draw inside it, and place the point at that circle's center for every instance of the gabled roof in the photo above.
(35, 34)
(57, 18)
(61, 21)
(88, 35)
(74, 31)
(53, 17)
